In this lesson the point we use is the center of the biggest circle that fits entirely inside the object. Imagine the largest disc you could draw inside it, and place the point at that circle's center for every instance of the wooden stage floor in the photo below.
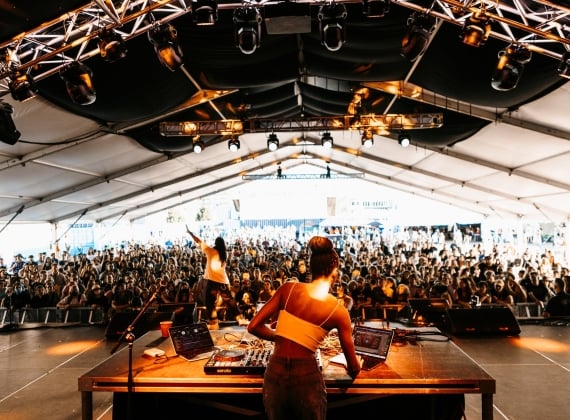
(39, 369)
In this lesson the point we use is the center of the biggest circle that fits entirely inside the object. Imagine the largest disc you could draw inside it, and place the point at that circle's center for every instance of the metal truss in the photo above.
(541, 25)
(377, 123)
(72, 36)
(302, 176)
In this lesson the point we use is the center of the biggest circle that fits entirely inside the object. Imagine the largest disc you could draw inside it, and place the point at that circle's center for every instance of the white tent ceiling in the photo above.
(504, 170)
(67, 167)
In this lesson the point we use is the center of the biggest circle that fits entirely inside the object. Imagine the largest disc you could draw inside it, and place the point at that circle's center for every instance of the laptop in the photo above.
(372, 344)
(192, 341)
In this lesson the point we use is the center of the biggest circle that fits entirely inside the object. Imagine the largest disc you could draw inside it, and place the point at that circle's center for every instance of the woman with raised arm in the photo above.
(293, 386)
(217, 285)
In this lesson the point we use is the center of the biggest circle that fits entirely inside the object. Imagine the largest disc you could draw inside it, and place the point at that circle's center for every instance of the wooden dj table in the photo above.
(423, 368)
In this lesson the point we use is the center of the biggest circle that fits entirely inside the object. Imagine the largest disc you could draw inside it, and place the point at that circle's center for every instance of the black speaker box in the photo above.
(494, 320)
(148, 321)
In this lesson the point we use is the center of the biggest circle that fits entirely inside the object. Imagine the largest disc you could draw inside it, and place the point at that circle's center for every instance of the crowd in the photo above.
(373, 272)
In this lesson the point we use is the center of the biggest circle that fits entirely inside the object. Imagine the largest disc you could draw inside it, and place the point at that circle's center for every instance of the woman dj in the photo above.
(293, 386)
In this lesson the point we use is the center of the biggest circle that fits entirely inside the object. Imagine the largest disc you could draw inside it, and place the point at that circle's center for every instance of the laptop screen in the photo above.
(191, 340)
(372, 341)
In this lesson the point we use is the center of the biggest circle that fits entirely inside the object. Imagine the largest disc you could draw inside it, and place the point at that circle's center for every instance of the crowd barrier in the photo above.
(54, 317)
(50, 317)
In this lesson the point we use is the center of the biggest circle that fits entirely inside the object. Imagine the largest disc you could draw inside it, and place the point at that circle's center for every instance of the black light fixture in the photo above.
(510, 67)
(404, 139)
(8, 132)
(375, 8)
(198, 146)
(78, 80)
(112, 47)
(21, 83)
(164, 39)
(247, 28)
(332, 18)
(233, 144)
(367, 138)
(476, 29)
(272, 142)
(204, 12)
(564, 66)
(22, 86)
(328, 174)
(327, 140)
(419, 27)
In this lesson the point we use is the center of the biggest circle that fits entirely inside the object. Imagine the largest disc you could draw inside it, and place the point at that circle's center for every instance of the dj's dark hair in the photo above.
(324, 258)
(220, 246)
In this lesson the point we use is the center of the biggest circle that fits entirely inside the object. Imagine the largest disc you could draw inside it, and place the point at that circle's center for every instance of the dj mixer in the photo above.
(238, 361)
(252, 361)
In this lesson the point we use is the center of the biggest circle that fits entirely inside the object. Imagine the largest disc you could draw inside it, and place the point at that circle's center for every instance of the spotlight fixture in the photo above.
(247, 28)
(367, 138)
(272, 142)
(510, 67)
(8, 132)
(164, 39)
(476, 29)
(204, 12)
(233, 144)
(404, 139)
(22, 86)
(198, 146)
(78, 80)
(375, 8)
(416, 38)
(332, 17)
(112, 47)
(564, 66)
(327, 140)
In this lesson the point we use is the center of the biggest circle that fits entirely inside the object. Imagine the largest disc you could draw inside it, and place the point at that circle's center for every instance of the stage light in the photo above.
(367, 139)
(564, 66)
(20, 83)
(375, 8)
(204, 12)
(78, 80)
(510, 67)
(476, 29)
(272, 142)
(198, 146)
(404, 139)
(8, 132)
(327, 140)
(112, 47)
(332, 18)
(416, 38)
(233, 144)
(164, 39)
(247, 29)
(22, 86)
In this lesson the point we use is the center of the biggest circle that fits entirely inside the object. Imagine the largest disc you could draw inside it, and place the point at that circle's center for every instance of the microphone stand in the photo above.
(129, 336)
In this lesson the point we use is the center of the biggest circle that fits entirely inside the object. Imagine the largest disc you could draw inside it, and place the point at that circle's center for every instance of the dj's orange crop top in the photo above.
(300, 331)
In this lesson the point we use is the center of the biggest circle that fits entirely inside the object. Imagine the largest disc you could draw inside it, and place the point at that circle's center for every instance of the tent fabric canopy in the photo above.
(498, 153)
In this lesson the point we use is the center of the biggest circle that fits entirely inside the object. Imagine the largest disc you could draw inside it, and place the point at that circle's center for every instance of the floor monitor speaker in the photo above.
(493, 320)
